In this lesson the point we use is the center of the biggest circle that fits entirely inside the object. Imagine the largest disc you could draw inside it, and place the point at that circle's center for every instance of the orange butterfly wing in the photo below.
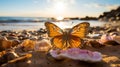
(77, 33)
(58, 42)
(56, 33)
(80, 30)
(75, 42)
(53, 30)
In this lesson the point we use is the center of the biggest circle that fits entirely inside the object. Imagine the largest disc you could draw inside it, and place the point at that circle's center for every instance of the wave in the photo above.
(24, 19)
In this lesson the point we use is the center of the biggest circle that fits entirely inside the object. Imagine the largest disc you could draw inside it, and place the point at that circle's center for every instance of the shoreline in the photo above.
(36, 26)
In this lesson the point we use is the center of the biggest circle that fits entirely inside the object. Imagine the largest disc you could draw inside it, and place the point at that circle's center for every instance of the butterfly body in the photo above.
(67, 39)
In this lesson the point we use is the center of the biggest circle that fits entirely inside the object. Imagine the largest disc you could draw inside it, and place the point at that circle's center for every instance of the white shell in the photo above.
(77, 54)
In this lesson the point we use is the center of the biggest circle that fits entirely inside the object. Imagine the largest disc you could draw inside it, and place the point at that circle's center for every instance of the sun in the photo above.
(59, 8)
(60, 18)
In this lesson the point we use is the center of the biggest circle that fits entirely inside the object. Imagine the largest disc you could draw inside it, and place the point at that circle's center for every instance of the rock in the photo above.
(9, 55)
(94, 43)
(111, 42)
(12, 37)
(89, 18)
(6, 44)
(111, 59)
(117, 39)
(2, 53)
(113, 15)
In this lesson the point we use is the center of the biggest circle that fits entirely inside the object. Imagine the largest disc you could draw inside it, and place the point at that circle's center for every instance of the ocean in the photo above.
(27, 23)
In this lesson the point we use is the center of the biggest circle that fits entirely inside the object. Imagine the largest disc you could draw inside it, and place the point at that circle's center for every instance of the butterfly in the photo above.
(67, 39)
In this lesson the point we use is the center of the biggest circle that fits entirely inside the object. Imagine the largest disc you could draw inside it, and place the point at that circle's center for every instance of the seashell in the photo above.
(28, 44)
(111, 39)
(6, 44)
(43, 45)
(105, 38)
(77, 54)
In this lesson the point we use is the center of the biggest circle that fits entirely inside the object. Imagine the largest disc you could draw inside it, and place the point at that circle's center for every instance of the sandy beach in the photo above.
(110, 51)
(111, 58)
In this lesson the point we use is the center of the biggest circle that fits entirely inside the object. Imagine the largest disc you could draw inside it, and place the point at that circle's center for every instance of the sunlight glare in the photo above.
(59, 18)
(63, 25)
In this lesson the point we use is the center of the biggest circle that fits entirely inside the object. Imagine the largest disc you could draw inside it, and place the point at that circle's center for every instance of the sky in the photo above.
(56, 8)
